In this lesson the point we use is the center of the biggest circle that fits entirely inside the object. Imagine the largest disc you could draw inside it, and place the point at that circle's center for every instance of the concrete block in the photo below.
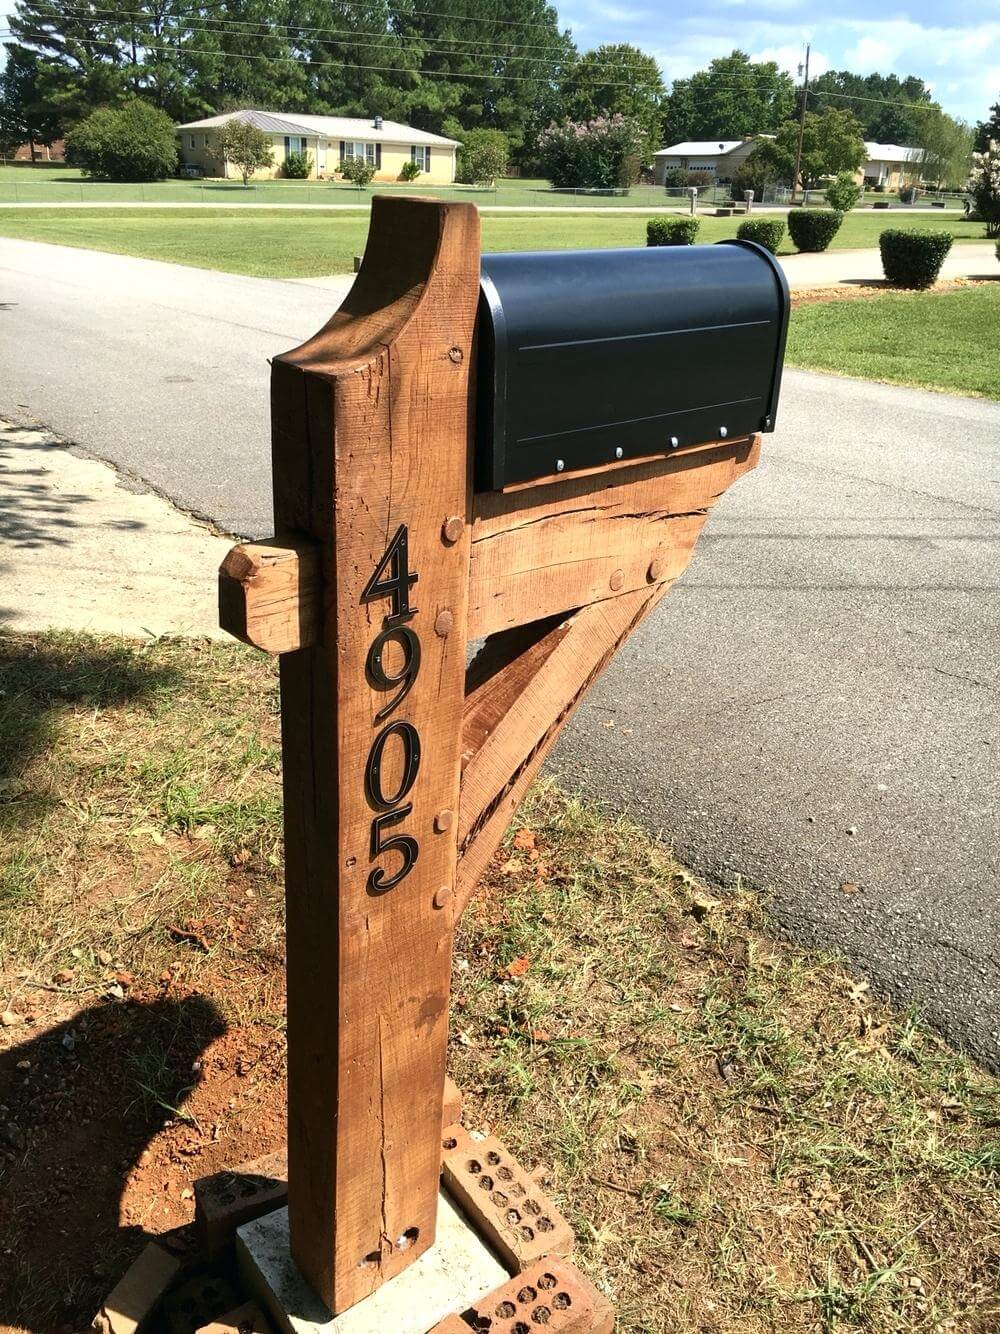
(245, 1319)
(453, 1274)
(134, 1298)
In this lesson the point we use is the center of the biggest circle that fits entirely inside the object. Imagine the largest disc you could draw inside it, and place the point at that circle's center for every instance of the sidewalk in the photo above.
(80, 551)
(971, 259)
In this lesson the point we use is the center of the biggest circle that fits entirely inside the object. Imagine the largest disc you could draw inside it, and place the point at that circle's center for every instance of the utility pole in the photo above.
(802, 126)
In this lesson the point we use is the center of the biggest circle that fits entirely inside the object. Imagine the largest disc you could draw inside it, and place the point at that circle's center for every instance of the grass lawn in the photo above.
(936, 340)
(291, 244)
(742, 1136)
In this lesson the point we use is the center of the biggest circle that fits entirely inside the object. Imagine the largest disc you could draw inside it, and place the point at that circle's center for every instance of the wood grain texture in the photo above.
(270, 594)
(371, 431)
(548, 549)
(526, 682)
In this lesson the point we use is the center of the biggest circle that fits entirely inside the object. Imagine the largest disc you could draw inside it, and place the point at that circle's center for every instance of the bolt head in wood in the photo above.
(452, 528)
(617, 580)
(443, 896)
(657, 569)
(443, 624)
(443, 821)
(455, 354)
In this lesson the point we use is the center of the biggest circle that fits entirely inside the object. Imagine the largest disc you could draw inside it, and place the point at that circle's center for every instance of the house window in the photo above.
(359, 150)
(204, 141)
(191, 137)
(294, 143)
(421, 155)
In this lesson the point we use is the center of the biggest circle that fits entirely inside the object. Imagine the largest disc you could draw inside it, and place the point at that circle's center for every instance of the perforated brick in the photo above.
(551, 1295)
(200, 1300)
(245, 1319)
(508, 1208)
(227, 1200)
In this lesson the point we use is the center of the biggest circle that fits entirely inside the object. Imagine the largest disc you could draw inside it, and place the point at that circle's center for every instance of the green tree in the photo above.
(186, 59)
(246, 147)
(618, 79)
(482, 156)
(831, 144)
(988, 129)
(131, 142)
(889, 109)
(946, 149)
(496, 67)
(734, 97)
(358, 171)
(361, 65)
(24, 115)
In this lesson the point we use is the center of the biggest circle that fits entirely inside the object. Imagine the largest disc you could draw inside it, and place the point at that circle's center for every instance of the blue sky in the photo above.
(955, 47)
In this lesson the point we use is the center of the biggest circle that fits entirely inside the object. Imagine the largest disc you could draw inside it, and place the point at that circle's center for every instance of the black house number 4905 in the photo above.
(392, 580)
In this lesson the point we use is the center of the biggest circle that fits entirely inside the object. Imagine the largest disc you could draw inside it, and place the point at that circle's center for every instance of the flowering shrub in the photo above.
(597, 154)
(984, 186)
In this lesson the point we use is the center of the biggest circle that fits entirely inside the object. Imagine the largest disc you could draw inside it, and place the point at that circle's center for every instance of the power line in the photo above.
(350, 33)
(333, 64)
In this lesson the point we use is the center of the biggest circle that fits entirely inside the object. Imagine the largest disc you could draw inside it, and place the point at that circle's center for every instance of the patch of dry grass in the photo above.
(741, 1135)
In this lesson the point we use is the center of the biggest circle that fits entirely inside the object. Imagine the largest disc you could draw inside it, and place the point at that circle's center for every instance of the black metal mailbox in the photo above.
(590, 356)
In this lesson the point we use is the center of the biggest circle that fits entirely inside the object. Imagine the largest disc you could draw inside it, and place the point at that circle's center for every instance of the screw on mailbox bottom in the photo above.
(674, 442)
(722, 433)
(560, 465)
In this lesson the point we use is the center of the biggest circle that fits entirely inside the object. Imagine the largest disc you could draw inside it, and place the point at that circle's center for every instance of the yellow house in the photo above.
(329, 140)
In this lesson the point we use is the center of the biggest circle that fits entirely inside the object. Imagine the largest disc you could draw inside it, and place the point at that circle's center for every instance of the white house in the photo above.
(889, 165)
(721, 158)
(329, 140)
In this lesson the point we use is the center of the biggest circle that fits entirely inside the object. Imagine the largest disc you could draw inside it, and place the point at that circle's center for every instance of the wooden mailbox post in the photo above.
(403, 768)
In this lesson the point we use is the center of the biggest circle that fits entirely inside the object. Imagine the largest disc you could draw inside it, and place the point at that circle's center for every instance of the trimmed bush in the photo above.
(843, 194)
(913, 259)
(131, 142)
(765, 231)
(297, 166)
(672, 231)
(409, 171)
(814, 228)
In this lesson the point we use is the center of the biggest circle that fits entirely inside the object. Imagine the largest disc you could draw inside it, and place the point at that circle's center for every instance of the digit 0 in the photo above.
(410, 741)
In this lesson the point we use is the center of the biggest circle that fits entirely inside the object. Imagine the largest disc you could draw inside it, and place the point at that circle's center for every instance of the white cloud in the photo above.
(789, 57)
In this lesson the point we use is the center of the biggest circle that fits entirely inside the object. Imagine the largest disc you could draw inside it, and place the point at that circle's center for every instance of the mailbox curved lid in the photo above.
(589, 356)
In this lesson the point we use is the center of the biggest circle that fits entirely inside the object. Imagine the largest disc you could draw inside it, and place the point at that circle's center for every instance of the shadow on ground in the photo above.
(78, 1106)
(40, 680)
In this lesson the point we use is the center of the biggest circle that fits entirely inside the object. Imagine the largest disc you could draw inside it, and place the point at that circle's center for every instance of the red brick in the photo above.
(245, 1319)
(551, 1294)
(452, 1102)
(134, 1298)
(507, 1207)
(227, 1200)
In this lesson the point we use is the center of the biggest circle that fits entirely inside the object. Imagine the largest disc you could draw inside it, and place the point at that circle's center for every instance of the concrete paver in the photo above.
(79, 551)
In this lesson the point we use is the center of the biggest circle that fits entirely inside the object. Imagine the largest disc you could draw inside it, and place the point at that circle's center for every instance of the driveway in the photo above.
(813, 711)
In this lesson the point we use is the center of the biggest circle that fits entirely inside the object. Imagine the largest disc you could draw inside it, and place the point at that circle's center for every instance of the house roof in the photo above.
(890, 152)
(332, 127)
(701, 148)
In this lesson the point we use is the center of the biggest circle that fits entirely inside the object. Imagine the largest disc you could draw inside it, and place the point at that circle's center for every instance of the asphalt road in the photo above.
(816, 703)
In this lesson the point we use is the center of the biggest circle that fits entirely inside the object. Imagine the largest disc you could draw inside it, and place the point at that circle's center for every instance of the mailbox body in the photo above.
(590, 356)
